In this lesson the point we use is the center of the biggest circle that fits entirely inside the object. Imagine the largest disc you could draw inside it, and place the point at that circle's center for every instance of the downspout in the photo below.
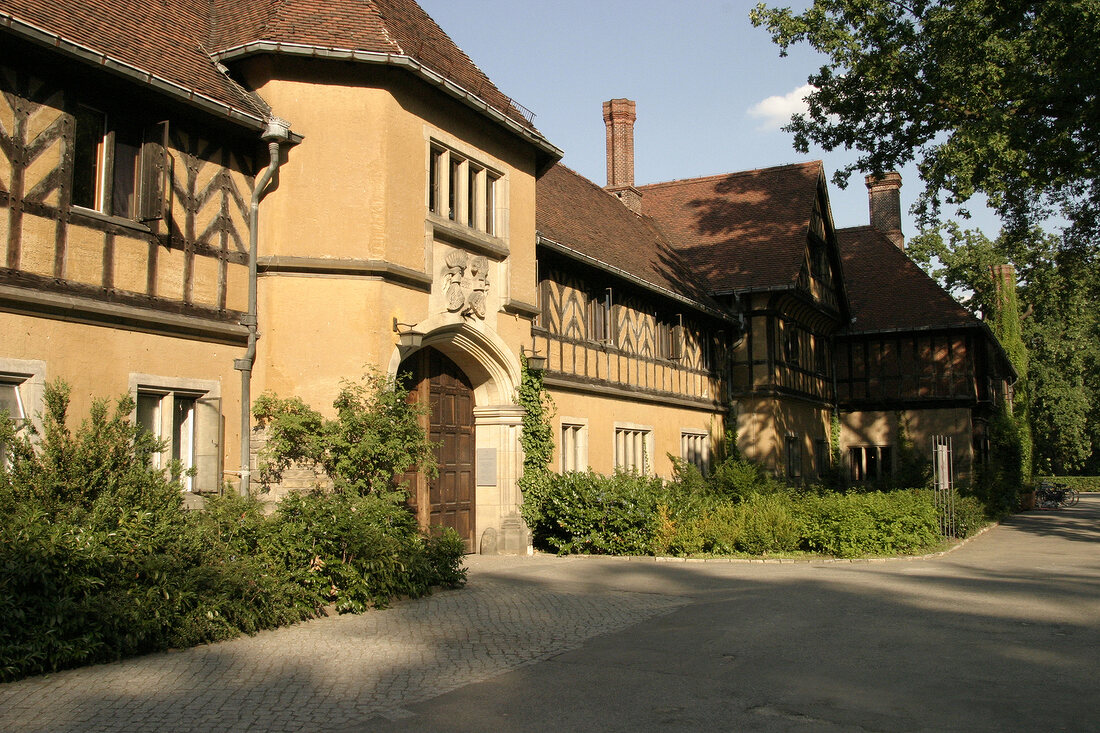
(276, 132)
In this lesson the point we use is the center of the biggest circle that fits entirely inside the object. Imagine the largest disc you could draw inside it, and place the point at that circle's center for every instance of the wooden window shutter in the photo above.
(208, 445)
(156, 175)
(609, 327)
(676, 339)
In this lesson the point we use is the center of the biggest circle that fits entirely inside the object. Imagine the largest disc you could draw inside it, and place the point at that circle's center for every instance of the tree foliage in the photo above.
(999, 98)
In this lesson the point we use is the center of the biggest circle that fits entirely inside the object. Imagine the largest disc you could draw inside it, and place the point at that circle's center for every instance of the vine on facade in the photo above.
(536, 439)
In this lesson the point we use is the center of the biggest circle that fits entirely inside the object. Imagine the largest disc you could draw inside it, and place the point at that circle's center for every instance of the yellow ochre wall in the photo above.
(601, 414)
(97, 362)
(355, 191)
(763, 425)
(874, 427)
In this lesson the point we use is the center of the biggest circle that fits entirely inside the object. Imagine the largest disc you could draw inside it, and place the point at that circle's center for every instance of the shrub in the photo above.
(586, 512)
(98, 560)
(770, 525)
(375, 435)
(850, 525)
(970, 515)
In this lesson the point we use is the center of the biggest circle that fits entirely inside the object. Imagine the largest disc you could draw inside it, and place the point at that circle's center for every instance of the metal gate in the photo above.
(943, 480)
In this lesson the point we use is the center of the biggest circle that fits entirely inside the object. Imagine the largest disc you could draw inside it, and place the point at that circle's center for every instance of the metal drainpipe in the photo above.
(277, 132)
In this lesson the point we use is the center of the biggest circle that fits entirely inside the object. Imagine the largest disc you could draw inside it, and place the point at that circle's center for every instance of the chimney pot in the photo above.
(884, 199)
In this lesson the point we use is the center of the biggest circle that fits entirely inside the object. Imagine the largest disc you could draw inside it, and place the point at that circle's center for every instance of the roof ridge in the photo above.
(715, 176)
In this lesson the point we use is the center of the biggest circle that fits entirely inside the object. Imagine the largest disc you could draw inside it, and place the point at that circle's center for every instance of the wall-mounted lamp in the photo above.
(535, 362)
(410, 338)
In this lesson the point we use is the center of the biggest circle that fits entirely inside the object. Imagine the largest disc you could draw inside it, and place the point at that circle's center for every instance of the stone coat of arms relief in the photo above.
(466, 283)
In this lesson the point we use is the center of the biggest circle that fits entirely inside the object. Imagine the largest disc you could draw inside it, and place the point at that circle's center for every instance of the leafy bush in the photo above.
(771, 525)
(99, 561)
(850, 525)
(586, 512)
(375, 435)
(970, 515)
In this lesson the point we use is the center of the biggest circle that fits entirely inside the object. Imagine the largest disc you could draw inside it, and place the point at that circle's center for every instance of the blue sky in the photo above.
(696, 68)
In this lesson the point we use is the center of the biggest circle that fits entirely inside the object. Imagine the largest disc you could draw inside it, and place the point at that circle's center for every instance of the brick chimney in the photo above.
(884, 196)
(619, 116)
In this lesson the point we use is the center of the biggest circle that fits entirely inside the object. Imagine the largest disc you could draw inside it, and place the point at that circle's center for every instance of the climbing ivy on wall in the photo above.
(536, 439)
(1007, 328)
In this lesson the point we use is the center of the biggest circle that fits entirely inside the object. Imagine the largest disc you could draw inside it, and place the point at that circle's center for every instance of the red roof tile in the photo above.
(174, 40)
(742, 230)
(167, 40)
(576, 213)
(888, 291)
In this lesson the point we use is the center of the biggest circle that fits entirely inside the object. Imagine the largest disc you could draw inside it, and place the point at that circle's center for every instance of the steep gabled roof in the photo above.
(888, 291)
(739, 231)
(179, 42)
(588, 223)
(134, 37)
(397, 27)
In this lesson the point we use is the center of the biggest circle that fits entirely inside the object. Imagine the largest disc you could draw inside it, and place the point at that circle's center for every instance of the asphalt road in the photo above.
(1003, 633)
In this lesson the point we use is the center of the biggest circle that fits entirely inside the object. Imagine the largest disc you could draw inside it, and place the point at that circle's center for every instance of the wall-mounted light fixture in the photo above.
(410, 338)
(535, 362)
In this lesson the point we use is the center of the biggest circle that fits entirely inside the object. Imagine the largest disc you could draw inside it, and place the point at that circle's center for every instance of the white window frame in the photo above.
(28, 376)
(197, 438)
(573, 447)
(695, 449)
(477, 206)
(633, 447)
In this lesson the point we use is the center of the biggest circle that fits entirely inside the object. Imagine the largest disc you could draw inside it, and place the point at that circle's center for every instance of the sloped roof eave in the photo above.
(88, 55)
(404, 61)
(641, 282)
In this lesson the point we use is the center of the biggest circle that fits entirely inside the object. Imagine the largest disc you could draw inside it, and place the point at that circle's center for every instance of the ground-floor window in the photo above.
(633, 447)
(870, 462)
(793, 452)
(186, 418)
(695, 449)
(574, 446)
(821, 457)
(21, 387)
(12, 405)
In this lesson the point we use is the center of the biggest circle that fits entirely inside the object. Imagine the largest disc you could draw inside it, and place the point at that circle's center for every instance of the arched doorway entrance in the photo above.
(448, 499)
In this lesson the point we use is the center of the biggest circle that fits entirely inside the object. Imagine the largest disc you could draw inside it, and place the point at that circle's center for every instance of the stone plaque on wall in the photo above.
(486, 466)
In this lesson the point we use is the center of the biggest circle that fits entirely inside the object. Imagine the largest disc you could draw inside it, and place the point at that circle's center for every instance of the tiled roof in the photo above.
(398, 27)
(576, 213)
(164, 39)
(888, 291)
(739, 231)
(174, 40)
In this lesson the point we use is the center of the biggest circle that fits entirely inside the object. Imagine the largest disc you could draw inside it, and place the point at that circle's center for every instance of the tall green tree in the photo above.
(1000, 97)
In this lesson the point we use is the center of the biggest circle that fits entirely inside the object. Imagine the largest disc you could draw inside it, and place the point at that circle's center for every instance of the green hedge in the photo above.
(1081, 483)
(98, 559)
(850, 525)
(738, 510)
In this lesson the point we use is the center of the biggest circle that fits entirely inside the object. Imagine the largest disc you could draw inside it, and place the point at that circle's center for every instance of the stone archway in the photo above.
(491, 371)
(448, 498)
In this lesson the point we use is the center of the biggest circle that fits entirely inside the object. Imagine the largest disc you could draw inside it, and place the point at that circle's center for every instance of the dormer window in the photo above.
(463, 190)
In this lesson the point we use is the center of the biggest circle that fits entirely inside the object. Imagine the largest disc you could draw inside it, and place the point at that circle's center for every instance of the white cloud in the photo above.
(776, 111)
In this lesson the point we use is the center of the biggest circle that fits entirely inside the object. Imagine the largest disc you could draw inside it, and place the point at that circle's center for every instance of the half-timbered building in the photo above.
(206, 200)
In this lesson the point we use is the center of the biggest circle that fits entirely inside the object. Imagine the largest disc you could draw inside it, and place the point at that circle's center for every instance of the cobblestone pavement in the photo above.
(332, 672)
(953, 642)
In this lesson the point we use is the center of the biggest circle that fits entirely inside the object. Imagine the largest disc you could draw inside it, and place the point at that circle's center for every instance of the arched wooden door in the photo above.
(447, 499)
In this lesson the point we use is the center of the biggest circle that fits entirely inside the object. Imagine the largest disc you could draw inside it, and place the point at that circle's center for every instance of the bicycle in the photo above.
(1051, 495)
